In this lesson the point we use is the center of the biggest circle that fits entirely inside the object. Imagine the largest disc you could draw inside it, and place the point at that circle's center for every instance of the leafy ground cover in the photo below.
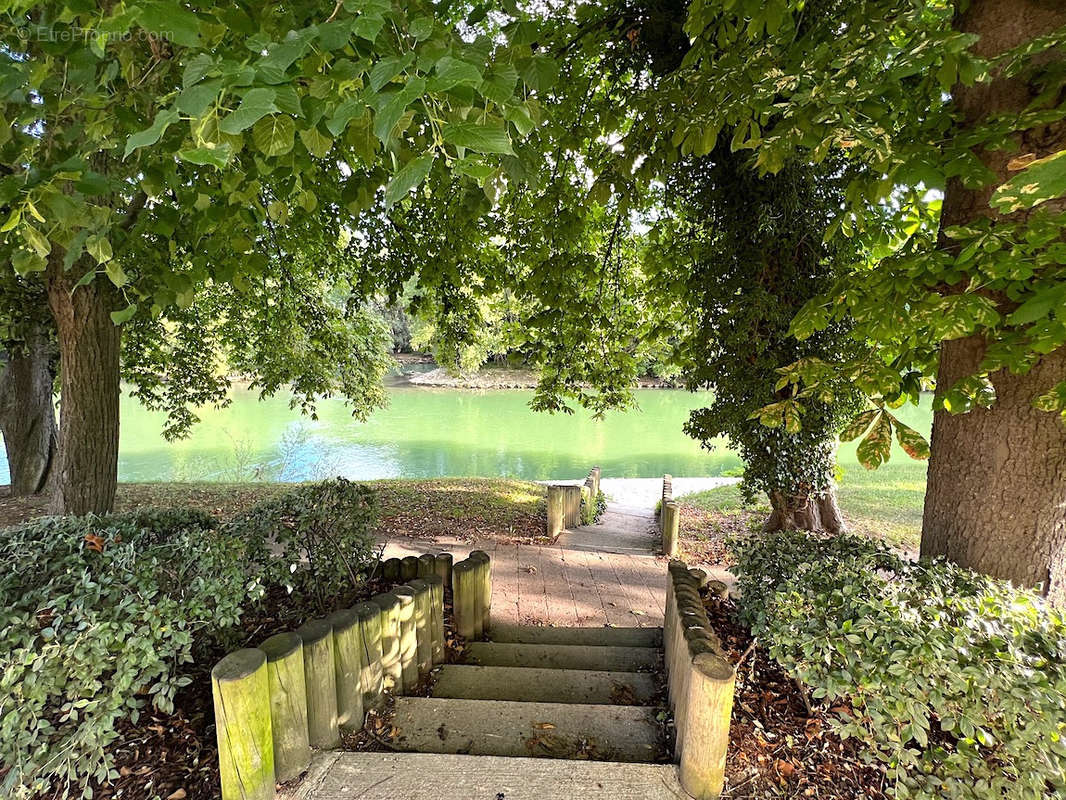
(464, 508)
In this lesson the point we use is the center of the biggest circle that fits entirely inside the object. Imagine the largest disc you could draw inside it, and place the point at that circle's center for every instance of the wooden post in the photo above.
(408, 637)
(390, 569)
(699, 577)
(709, 705)
(443, 568)
(408, 568)
(691, 651)
(372, 679)
(464, 590)
(574, 506)
(595, 481)
(484, 585)
(718, 589)
(436, 599)
(348, 658)
(671, 524)
(288, 705)
(423, 624)
(426, 565)
(392, 670)
(241, 692)
(320, 675)
(556, 510)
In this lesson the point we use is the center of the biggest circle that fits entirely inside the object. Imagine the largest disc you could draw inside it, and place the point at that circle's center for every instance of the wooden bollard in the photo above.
(426, 565)
(671, 525)
(443, 567)
(699, 577)
(372, 679)
(556, 510)
(348, 658)
(423, 624)
(709, 705)
(692, 650)
(436, 599)
(408, 637)
(241, 693)
(320, 675)
(574, 506)
(718, 589)
(595, 475)
(464, 592)
(408, 568)
(390, 569)
(288, 704)
(392, 669)
(484, 585)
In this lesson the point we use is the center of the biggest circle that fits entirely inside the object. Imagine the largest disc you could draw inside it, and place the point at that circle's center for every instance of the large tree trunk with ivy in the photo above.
(27, 414)
(996, 498)
(804, 512)
(89, 343)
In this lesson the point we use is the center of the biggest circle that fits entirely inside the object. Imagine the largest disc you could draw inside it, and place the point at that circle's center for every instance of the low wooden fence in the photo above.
(302, 689)
(700, 682)
(564, 502)
(669, 518)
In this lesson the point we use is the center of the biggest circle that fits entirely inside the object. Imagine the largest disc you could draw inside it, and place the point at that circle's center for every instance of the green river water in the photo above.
(426, 432)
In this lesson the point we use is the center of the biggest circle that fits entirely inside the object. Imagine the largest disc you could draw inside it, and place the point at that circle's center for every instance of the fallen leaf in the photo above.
(543, 726)
(177, 795)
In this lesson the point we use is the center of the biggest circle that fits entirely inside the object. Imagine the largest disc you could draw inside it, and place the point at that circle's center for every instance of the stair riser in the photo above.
(532, 685)
(545, 656)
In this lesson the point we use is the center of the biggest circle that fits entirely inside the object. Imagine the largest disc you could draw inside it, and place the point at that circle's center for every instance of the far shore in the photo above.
(494, 378)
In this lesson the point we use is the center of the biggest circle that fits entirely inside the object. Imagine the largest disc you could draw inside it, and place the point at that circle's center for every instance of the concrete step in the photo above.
(431, 776)
(539, 730)
(535, 685)
(598, 637)
(562, 656)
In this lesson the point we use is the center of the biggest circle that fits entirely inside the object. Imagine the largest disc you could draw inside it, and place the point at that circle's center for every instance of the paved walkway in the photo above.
(604, 574)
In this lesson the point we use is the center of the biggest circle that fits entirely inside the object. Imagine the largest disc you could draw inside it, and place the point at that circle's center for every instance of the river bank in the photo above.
(499, 378)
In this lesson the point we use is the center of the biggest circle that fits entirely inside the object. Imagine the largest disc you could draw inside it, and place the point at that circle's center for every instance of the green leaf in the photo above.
(487, 138)
(388, 68)
(195, 100)
(317, 144)
(391, 107)
(255, 105)
(37, 240)
(99, 248)
(217, 156)
(452, 72)
(273, 135)
(368, 26)
(411, 175)
(172, 21)
(116, 273)
(1043, 179)
(421, 28)
(1042, 303)
(149, 136)
(540, 72)
(125, 315)
(27, 261)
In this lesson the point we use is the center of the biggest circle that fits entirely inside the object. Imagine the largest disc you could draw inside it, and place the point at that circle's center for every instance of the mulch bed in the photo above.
(776, 747)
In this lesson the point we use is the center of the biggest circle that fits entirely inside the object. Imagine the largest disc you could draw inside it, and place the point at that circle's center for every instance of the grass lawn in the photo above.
(463, 508)
(886, 502)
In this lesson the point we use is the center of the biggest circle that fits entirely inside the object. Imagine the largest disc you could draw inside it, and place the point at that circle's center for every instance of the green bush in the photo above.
(314, 540)
(958, 681)
(98, 615)
(591, 512)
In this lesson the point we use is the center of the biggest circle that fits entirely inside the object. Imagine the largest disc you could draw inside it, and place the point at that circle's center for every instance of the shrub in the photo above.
(98, 615)
(313, 540)
(957, 681)
(591, 512)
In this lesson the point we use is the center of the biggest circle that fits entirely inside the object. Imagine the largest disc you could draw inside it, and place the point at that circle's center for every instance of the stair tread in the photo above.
(537, 730)
(536, 684)
(562, 656)
(431, 776)
(602, 636)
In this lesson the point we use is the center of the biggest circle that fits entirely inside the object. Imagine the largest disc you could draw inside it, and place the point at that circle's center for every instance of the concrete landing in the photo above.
(532, 685)
(562, 656)
(538, 730)
(425, 776)
(622, 530)
(598, 637)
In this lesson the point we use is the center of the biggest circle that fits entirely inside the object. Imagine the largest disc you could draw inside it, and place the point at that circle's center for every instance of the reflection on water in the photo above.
(424, 432)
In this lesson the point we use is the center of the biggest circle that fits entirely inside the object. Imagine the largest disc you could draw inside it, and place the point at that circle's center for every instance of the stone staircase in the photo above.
(571, 693)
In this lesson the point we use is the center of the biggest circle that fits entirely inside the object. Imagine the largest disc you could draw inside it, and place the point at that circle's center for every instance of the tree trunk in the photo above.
(996, 497)
(89, 394)
(817, 512)
(27, 414)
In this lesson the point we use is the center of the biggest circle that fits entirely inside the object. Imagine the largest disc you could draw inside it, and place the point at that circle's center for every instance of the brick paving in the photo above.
(603, 574)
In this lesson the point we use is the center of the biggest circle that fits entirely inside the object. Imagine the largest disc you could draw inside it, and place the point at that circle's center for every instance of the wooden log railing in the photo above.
(565, 502)
(700, 683)
(302, 689)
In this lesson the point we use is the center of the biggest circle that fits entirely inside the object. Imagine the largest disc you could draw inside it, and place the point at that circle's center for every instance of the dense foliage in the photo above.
(100, 616)
(315, 541)
(957, 682)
